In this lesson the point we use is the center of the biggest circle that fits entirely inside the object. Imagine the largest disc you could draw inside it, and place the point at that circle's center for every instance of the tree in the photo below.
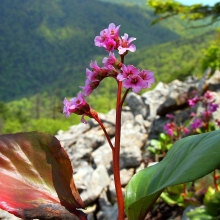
(210, 14)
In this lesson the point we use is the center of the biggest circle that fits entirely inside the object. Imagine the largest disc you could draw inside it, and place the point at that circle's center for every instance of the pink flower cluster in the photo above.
(135, 79)
(209, 107)
(173, 129)
(170, 128)
(110, 40)
(130, 76)
(76, 105)
(197, 123)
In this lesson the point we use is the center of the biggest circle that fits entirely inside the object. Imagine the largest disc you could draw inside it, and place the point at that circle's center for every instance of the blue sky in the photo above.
(204, 2)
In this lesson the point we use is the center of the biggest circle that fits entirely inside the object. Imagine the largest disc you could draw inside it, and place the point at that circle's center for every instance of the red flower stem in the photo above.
(105, 132)
(215, 177)
(207, 119)
(123, 99)
(116, 155)
(116, 152)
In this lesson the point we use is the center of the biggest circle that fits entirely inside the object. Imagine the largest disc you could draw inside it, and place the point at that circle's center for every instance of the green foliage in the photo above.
(160, 146)
(211, 210)
(181, 164)
(175, 195)
(211, 55)
(212, 201)
(42, 112)
(200, 213)
(194, 12)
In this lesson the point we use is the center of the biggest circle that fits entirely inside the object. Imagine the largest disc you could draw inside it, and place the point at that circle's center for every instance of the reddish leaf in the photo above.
(36, 178)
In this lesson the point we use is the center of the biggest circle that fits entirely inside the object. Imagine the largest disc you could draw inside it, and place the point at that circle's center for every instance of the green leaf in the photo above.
(212, 201)
(200, 213)
(189, 159)
(37, 178)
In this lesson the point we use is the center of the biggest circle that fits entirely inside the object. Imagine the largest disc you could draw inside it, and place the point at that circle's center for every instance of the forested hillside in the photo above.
(47, 44)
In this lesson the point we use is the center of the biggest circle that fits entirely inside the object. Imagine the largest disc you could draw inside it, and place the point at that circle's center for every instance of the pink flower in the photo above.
(89, 87)
(113, 30)
(170, 116)
(169, 127)
(197, 123)
(95, 66)
(193, 101)
(76, 105)
(126, 72)
(78, 102)
(148, 77)
(208, 95)
(66, 107)
(193, 114)
(108, 38)
(125, 44)
(91, 75)
(100, 40)
(134, 82)
(135, 79)
(110, 45)
(213, 107)
(186, 130)
(111, 60)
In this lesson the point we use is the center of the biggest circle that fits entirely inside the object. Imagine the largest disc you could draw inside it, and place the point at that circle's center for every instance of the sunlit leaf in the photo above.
(37, 178)
(189, 159)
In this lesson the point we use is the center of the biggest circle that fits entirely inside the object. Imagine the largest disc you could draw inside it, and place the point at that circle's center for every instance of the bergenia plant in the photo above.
(203, 120)
(36, 175)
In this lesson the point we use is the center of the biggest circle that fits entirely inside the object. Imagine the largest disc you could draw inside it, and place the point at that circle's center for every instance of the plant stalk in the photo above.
(116, 155)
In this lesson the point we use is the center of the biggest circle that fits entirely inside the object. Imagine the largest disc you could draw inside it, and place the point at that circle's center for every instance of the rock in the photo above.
(98, 181)
(83, 176)
(125, 175)
(112, 192)
(153, 99)
(216, 115)
(108, 213)
(103, 156)
(70, 137)
(144, 125)
(7, 216)
(213, 83)
(110, 116)
(136, 104)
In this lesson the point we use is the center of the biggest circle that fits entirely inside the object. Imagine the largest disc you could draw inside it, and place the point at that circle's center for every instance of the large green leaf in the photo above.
(190, 158)
(36, 178)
